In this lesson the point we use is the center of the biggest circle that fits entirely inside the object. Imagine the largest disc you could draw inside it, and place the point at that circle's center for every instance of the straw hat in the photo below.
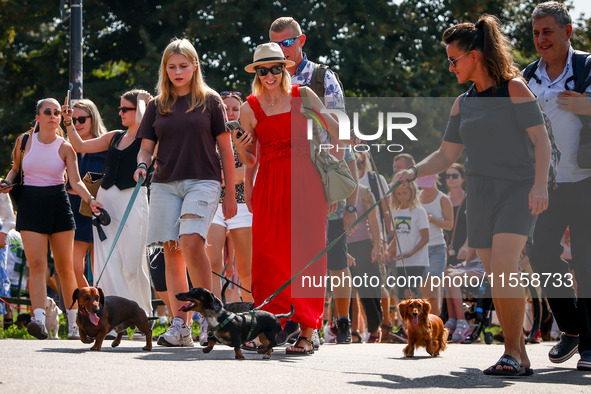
(267, 53)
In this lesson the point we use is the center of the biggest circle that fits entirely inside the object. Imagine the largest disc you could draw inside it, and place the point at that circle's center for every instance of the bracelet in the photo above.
(90, 199)
(67, 123)
(142, 164)
(416, 171)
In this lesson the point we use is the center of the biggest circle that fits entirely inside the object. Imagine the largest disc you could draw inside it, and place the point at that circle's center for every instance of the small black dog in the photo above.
(233, 329)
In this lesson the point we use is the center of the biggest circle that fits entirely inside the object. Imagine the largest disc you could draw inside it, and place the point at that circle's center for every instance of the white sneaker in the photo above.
(73, 332)
(37, 329)
(177, 334)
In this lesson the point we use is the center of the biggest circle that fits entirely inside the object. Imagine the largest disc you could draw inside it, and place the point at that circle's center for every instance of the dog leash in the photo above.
(327, 248)
(123, 220)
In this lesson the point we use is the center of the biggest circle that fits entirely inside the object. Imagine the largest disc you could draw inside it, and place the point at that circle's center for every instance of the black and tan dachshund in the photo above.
(97, 315)
(233, 329)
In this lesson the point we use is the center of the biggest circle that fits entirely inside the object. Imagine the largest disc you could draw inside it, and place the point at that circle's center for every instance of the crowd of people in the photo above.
(251, 205)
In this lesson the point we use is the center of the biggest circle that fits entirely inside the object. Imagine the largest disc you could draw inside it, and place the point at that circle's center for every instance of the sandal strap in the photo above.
(305, 339)
(508, 360)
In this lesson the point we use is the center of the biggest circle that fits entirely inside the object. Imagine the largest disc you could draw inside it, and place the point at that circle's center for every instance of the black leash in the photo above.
(327, 248)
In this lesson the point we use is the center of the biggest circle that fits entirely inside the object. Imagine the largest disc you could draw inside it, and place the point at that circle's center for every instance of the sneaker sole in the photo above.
(565, 357)
(37, 332)
(164, 342)
(583, 365)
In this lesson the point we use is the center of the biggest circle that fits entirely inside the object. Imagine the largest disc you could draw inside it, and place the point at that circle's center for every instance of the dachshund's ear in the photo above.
(74, 297)
(101, 296)
(426, 307)
(216, 304)
(402, 309)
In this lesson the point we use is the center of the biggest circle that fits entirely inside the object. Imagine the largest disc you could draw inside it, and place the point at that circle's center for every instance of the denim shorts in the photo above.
(437, 260)
(170, 201)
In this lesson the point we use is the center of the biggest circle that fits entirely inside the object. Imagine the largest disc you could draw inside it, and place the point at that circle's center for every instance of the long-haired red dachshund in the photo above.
(423, 328)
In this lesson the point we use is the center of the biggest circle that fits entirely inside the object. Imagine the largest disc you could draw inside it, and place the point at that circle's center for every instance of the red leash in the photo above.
(14, 306)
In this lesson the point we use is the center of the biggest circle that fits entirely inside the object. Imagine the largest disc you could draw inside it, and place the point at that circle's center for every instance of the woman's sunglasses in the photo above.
(288, 42)
(452, 176)
(56, 112)
(227, 93)
(275, 70)
(80, 119)
(125, 109)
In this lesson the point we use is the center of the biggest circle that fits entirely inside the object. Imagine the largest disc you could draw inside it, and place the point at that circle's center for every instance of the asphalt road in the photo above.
(62, 366)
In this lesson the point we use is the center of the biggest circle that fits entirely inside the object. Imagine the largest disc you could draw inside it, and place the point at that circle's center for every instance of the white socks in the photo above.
(39, 315)
(72, 316)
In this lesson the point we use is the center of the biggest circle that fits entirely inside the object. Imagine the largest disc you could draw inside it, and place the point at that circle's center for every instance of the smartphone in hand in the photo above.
(68, 99)
(234, 127)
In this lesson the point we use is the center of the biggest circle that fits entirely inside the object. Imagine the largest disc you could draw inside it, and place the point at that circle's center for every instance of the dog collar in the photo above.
(224, 323)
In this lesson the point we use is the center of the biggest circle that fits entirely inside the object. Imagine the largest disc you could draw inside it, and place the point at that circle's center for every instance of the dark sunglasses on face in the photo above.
(125, 109)
(80, 119)
(288, 42)
(56, 112)
(226, 93)
(452, 176)
(275, 70)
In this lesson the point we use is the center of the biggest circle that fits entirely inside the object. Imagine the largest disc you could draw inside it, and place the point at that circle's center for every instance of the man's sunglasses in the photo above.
(56, 112)
(125, 109)
(80, 119)
(275, 70)
(288, 42)
(452, 176)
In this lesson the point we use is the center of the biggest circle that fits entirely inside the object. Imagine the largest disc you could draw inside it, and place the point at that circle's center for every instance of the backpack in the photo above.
(581, 68)
(317, 80)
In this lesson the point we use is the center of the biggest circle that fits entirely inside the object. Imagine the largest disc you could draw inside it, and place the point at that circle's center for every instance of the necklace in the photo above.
(44, 143)
(272, 104)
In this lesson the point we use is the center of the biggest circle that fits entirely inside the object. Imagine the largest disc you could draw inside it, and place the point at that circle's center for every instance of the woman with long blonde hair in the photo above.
(187, 121)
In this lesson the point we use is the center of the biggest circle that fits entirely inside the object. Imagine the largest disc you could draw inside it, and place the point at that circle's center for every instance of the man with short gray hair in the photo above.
(553, 80)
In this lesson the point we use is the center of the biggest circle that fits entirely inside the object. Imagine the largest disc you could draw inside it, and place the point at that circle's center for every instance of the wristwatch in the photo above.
(351, 208)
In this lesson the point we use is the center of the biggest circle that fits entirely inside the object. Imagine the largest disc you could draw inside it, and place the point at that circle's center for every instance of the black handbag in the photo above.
(17, 188)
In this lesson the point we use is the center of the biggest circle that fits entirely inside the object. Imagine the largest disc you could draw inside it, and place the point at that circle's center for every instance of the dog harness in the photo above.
(232, 316)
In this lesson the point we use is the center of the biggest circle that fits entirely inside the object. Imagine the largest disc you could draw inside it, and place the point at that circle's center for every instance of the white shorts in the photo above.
(242, 219)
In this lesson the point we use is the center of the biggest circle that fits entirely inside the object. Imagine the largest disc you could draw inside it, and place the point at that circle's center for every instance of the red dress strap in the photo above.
(259, 114)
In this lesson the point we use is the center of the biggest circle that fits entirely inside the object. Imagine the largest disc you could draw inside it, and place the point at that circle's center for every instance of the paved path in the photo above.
(69, 367)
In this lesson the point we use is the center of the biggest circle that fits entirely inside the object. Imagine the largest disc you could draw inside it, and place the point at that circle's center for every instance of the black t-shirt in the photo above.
(187, 141)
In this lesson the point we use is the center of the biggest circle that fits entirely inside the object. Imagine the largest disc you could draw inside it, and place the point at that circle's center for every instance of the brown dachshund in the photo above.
(97, 315)
(423, 328)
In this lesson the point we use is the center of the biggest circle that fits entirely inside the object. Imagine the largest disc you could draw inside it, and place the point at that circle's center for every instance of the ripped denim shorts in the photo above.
(181, 207)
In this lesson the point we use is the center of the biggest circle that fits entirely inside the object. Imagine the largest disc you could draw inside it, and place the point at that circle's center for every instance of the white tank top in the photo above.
(434, 209)
(42, 164)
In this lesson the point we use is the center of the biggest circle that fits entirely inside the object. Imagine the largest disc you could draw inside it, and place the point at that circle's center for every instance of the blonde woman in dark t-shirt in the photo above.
(187, 121)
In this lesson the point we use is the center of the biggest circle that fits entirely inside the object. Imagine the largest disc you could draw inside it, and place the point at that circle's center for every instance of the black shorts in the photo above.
(44, 210)
(496, 206)
(336, 258)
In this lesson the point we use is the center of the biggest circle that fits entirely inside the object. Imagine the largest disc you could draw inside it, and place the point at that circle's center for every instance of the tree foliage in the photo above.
(379, 49)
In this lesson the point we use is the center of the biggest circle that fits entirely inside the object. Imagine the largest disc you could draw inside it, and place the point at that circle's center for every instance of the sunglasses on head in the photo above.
(452, 176)
(275, 70)
(287, 42)
(125, 109)
(56, 112)
(80, 119)
(227, 93)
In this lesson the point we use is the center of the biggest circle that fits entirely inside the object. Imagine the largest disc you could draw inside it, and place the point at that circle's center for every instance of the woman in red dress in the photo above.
(288, 203)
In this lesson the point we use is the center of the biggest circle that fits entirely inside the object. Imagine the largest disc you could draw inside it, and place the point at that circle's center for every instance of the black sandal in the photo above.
(354, 335)
(507, 361)
(305, 352)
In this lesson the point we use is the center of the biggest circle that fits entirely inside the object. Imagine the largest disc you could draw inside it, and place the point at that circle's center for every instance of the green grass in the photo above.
(14, 332)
